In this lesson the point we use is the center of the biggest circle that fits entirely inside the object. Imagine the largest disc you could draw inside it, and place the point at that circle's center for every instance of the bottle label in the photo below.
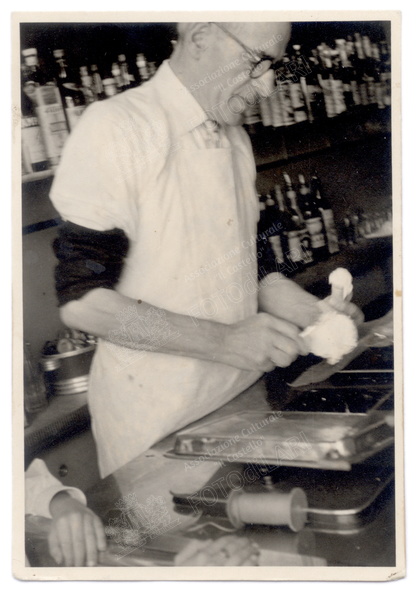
(297, 102)
(331, 232)
(336, 86)
(54, 130)
(305, 242)
(315, 229)
(287, 110)
(328, 98)
(295, 253)
(32, 140)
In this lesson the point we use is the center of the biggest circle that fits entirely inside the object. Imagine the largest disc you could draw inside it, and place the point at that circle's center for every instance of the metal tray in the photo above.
(288, 438)
(340, 503)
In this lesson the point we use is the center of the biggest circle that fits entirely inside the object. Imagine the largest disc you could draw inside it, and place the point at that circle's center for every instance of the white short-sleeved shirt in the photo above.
(140, 162)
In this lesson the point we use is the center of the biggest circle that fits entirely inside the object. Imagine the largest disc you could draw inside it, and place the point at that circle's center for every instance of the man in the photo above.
(157, 257)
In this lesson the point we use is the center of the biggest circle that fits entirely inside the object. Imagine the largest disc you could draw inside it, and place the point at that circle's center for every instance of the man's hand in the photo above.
(283, 298)
(77, 534)
(261, 343)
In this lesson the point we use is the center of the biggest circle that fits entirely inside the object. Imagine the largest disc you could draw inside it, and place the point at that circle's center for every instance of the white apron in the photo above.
(195, 255)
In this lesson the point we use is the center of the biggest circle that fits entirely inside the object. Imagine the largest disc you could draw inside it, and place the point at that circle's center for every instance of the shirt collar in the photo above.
(186, 112)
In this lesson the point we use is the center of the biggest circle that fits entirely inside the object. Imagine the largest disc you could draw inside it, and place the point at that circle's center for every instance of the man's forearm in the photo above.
(142, 326)
(285, 299)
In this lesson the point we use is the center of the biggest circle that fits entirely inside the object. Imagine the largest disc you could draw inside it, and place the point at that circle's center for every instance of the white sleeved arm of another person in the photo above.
(40, 488)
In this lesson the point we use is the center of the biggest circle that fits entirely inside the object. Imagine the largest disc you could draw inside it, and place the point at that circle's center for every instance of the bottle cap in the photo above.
(29, 52)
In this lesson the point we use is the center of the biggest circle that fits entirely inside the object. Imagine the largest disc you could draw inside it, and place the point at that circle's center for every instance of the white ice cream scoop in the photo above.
(334, 334)
(341, 283)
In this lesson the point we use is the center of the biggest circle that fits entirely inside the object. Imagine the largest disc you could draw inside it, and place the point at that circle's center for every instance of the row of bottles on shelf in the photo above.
(297, 221)
(53, 99)
(325, 82)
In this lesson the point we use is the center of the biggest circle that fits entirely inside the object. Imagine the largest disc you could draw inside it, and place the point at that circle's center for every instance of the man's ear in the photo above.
(200, 36)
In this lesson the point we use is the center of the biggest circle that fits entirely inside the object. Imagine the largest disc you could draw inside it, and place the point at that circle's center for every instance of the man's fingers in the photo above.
(64, 535)
(283, 327)
(90, 541)
(287, 337)
(281, 358)
(54, 547)
(100, 534)
(78, 538)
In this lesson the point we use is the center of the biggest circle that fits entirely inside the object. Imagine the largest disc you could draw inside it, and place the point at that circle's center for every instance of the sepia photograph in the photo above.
(208, 316)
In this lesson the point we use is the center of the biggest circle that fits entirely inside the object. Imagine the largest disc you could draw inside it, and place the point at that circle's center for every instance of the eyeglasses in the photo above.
(261, 63)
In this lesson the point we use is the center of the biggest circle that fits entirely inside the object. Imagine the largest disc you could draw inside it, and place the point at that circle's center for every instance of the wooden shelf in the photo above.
(275, 146)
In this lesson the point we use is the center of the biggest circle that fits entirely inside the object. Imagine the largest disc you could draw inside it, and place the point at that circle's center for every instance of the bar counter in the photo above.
(147, 483)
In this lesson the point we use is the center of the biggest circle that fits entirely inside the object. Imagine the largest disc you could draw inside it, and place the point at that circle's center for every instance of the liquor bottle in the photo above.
(379, 92)
(289, 236)
(97, 83)
(360, 67)
(283, 84)
(273, 230)
(87, 85)
(116, 74)
(299, 241)
(312, 90)
(72, 96)
(313, 220)
(142, 67)
(336, 81)
(276, 106)
(347, 75)
(128, 80)
(385, 72)
(33, 149)
(325, 81)
(52, 121)
(353, 75)
(326, 213)
(110, 87)
(275, 102)
(370, 70)
(297, 98)
(31, 72)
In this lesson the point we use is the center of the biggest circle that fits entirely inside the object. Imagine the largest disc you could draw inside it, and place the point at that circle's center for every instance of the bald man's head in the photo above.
(216, 61)
(266, 33)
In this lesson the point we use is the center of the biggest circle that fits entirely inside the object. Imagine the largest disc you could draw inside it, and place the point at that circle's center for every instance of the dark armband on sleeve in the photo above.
(87, 259)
